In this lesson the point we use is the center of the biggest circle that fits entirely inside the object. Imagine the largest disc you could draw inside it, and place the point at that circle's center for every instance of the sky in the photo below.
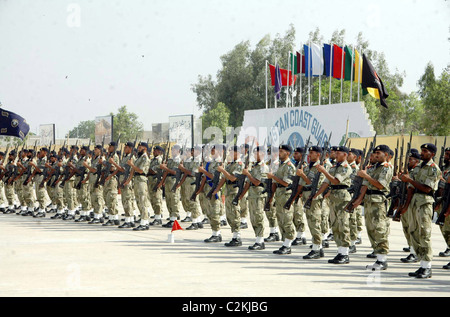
(64, 62)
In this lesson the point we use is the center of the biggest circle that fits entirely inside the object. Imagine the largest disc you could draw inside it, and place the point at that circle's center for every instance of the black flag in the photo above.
(12, 124)
(371, 82)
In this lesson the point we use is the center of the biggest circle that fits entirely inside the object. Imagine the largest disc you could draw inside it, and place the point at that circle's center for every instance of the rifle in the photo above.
(5, 157)
(14, 175)
(394, 186)
(29, 174)
(99, 166)
(161, 175)
(68, 172)
(179, 174)
(269, 187)
(240, 182)
(57, 172)
(357, 181)
(403, 186)
(441, 157)
(294, 186)
(216, 178)
(46, 173)
(106, 170)
(198, 180)
(315, 181)
(445, 204)
(128, 173)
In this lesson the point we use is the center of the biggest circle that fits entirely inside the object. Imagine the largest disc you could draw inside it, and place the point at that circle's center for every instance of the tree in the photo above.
(127, 125)
(216, 117)
(84, 130)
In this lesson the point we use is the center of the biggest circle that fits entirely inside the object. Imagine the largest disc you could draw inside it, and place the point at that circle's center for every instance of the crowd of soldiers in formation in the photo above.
(220, 187)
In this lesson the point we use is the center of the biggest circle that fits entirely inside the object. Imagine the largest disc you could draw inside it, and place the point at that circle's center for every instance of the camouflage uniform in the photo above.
(355, 227)
(214, 204)
(96, 192)
(41, 192)
(126, 192)
(421, 209)
(445, 229)
(155, 196)
(256, 199)
(141, 188)
(325, 223)
(110, 189)
(83, 193)
(172, 198)
(375, 208)
(187, 188)
(233, 212)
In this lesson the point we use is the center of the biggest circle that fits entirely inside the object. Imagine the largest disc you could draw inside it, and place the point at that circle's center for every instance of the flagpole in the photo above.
(351, 73)
(331, 70)
(275, 95)
(320, 85)
(359, 71)
(267, 100)
(301, 70)
(287, 83)
(309, 74)
(294, 56)
(342, 68)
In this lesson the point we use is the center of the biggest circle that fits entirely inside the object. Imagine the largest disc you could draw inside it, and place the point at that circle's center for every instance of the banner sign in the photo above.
(103, 127)
(293, 125)
(181, 129)
(47, 134)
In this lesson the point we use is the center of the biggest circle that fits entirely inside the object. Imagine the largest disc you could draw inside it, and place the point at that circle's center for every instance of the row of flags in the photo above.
(330, 61)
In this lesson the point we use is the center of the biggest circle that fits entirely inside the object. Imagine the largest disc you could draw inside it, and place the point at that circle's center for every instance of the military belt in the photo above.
(335, 187)
(417, 191)
(375, 192)
(231, 183)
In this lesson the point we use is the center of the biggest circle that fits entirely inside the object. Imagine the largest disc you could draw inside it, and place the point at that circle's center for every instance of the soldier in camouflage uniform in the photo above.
(338, 180)
(155, 195)
(234, 167)
(28, 186)
(110, 191)
(283, 178)
(83, 193)
(271, 215)
(141, 168)
(172, 198)
(96, 189)
(354, 233)
(3, 205)
(299, 214)
(325, 223)
(314, 214)
(9, 185)
(41, 192)
(214, 204)
(126, 191)
(255, 186)
(419, 203)
(189, 167)
(445, 229)
(375, 188)
(413, 162)
(69, 190)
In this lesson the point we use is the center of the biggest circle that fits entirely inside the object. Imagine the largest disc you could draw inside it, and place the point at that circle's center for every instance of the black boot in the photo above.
(272, 237)
(235, 242)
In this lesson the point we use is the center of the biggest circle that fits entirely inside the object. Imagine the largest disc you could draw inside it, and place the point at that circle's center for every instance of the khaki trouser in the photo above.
(69, 194)
(232, 212)
(141, 195)
(299, 219)
(155, 197)
(29, 195)
(9, 193)
(243, 206)
(420, 228)
(97, 200)
(354, 223)
(190, 206)
(18, 187)
(285, 217)
(256, 208)
(41, 192)
(83, 195)
(377, 229)
(214, 208)
(340, 222)
(325, 223)
(127, 196)
(110, 193)
(314, 218)
(172, 199)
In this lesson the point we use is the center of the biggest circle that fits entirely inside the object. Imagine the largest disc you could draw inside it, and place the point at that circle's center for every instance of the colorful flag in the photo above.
(358, 67)
(348, 62)
(337, 61)
(371, 82)
(328, 63)
(302, 65)
(284, 76)
(294, 65)
(278, 82)
(12, 124)
(317, 60)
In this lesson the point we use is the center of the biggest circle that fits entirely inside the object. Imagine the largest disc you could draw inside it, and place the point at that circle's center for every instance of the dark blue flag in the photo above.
(277, 82)
(12, 124)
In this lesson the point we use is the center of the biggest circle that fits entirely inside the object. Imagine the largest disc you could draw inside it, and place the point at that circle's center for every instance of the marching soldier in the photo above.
(255, 186)
(413, 162)
(338, 180)
(314, 214)
(359, 209)
(233, 214)
(82, 192)
(11, 169)
(140, 169)
(172, 198)
(110, 185)
(243, 203)
(189, 167)
(214, 204)
(419, 203)
(95, 188)
(374, 191)
(354, 233)
(204, 202)
(282, 179)
(126, 191)
(299, 218)
(69, 189)
(28, 185)
(155, 195)
(325, 221)
(445, 229)
(58, 192)
(271, 214)
(41, 192)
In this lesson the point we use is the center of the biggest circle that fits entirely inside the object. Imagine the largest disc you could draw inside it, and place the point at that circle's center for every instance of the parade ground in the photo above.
(41, 257)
